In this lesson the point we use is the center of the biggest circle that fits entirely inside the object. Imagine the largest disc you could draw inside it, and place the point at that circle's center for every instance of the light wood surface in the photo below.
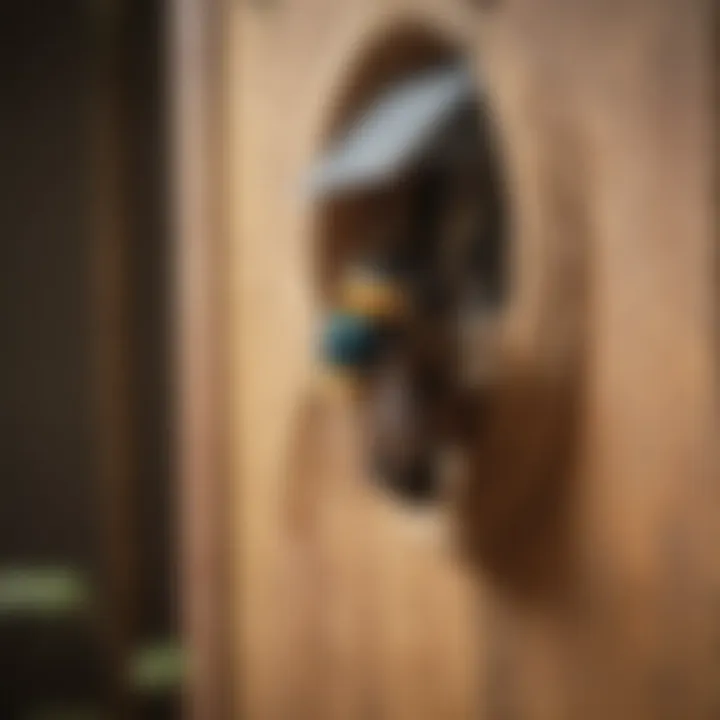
(588, 586)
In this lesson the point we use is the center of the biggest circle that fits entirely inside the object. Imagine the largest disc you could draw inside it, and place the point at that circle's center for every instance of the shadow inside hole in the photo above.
(514, 512)
(512, 516)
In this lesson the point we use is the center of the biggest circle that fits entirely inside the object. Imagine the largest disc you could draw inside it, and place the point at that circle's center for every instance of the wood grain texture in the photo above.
(589, 577)
(197, 50)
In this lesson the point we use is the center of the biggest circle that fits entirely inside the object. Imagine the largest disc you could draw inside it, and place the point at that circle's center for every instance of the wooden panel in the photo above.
(611, 163)
(197, 56)
(358, 620)
(587, 589)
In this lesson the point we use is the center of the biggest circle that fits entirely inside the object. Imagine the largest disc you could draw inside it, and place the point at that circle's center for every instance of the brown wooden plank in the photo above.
(196, 81)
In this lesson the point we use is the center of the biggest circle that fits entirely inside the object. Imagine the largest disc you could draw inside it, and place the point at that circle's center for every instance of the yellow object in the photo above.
(373, 297)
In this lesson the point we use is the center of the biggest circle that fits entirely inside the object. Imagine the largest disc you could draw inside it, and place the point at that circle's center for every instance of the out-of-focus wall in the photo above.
(85, 267)
(47, 463)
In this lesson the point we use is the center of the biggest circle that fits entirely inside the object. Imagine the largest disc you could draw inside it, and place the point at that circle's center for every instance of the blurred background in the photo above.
(88, 557)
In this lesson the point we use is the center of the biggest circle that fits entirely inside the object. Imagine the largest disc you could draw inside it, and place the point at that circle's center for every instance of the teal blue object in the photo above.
(350, 341)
